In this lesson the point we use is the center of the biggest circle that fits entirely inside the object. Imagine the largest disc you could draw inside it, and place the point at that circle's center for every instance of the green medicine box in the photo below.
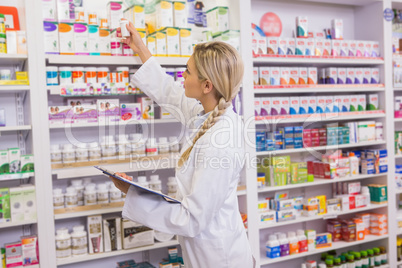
(378, 193)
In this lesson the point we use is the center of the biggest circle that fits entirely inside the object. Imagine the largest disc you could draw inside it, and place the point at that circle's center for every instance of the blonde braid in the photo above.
(209, 122)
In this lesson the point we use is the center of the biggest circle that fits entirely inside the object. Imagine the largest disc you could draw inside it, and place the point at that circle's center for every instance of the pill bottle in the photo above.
(55, 154)
(123, 73)
(70, 197)
(78, 75)
(77, 184)
(108, 148)
(63, 243)
(90, 195)
(68, 153)
(66, 76)
(151, 147)
(172, 187)
(115, 194)
(94, 151)
(174, 146)
(103, 74)
(58, 198)
(92, 18)
(90, 75)
(138, 148)
(79, 240)
(163, 146)
(51, 76)
(102, 194)
(81, 154)
(142, 180)
(155, 183)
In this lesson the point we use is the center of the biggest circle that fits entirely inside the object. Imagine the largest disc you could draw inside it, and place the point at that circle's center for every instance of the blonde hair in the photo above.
(221, 64)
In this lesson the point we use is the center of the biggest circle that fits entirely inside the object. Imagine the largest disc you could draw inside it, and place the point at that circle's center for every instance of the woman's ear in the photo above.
(207, 87)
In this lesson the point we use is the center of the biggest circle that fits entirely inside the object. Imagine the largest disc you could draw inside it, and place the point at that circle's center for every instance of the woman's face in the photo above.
(192, 85)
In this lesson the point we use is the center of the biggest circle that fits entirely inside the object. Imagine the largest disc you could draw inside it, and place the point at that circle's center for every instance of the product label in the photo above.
(284, 250)
(273, 252)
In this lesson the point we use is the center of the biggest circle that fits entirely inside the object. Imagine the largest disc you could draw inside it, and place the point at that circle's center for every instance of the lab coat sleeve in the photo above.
(161, 88)
(209, 189)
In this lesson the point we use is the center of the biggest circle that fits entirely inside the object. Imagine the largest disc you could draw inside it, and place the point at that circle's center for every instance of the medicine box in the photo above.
(264, 75)
(5, 209)
(341, 79)
(257, 106)
(284, 106)
(329, 104)
(372, 102)
(104, 42)
(320, 104)
(294, 76)
(319, 47)
(272, 45)
(291, 46)
(275, 106)
(14, 158)
(352, 48)
(335, 48)
(282, 46)
(378, 193)
(218, 19)
(267, 216)
(366, 75)
(13, 255)
(256, 75)
(112, 234)
(81, 39)
(310, 47)
(353, 103)
(304, 104)
(344, 48)
(265, 106)
(114, 13)
(334, 227)
(361, 102)
(285, 76)
(108, 110)
(311, 239)
(95, 234)
(337, 29)
(161, 43)
(348, 230)
(375, 76)
(51, 35)
(312, 76)
(327, 48)
(300, 46)
(172, 41)
(66, 38)
(29, 202)
(11, 39)
(303, 76)
(360, 48)
(49, 10)
(4, 163)
(358, 75)
(147, 108)
(323, 240)
(186, 42)
(294, 105)
(285, 215)
(93, 40)
(350, 75)
(312, 104)
(17, 204)
(136, 235)
(136, 15)
(130, 111)
(275, 76)
(301, 26)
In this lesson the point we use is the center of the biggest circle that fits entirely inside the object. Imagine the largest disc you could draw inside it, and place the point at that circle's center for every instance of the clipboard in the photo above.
(113, 174)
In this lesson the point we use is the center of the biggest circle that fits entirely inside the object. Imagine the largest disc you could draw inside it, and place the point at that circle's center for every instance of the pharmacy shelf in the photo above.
(300, 60)
(345, 2)
(83, 211)
(112, 60)
(319, 217)
(16, 176)
(312, 118)
(316, 89)
(398, 88)
(318, 182)
(97, 256)
(14, 89)
(321, 148)
(55, 90)
(150, 163)
(399, 262)
(16, 224)
(121, 123)
(398, 119)
(399, 232)
(15, 128)
(12, 59)
(398, 156)
(336, 245)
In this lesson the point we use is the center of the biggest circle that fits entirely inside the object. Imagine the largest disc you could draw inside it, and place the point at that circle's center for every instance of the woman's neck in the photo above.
(209, 103)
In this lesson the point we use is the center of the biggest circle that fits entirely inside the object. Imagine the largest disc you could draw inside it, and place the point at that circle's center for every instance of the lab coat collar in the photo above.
(201, 118)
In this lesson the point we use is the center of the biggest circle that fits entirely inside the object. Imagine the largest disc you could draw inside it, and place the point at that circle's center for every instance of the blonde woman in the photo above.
(208, 223)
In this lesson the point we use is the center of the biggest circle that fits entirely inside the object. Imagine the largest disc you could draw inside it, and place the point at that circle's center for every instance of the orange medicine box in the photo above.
(360, 233)
(366, 221)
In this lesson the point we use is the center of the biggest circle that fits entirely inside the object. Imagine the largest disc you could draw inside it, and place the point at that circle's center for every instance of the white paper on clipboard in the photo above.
(113, 174)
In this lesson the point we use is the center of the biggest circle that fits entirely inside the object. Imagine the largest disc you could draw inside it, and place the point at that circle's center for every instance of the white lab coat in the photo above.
(208, 223)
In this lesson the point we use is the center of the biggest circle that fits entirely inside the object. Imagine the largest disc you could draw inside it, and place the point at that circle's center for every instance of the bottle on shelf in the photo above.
(142, 180)
(273, 249)
(152, 147)
(79, 241)
(384, 257)
(172, 187)
(174, 145)
(351, 261)
(163, 146)
(55, 154)
(94, 151)
(58, 198)
(293, 243)
(115, 194)
(90, 195)
(284, 244)
(77, 184)
(303, 246)
(370, 254)
(102, 194)
(71, 198)
(68, 153)
(63, 243)
(155, 183)
(365, 260)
